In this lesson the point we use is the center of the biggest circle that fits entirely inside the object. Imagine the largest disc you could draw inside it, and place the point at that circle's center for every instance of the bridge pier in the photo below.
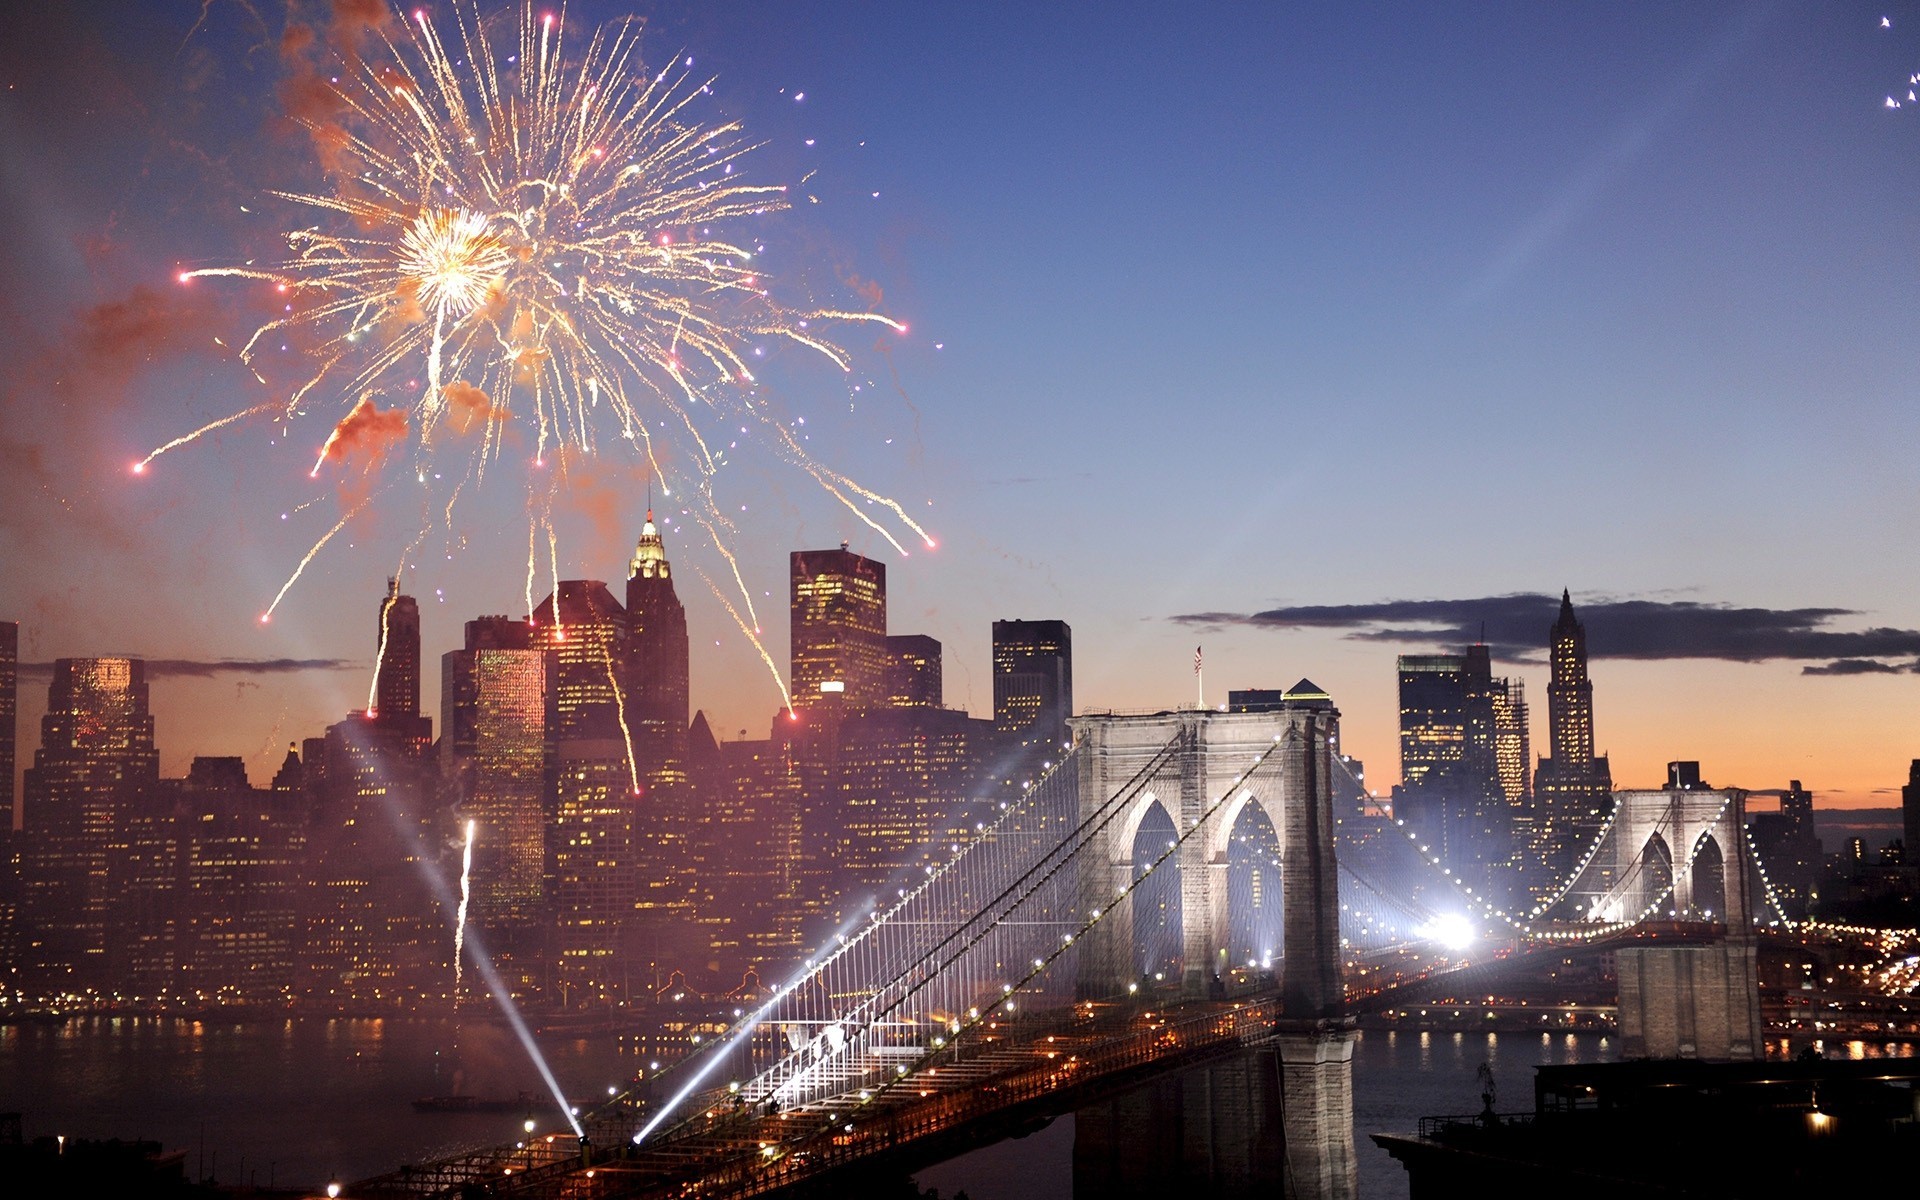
(1689, 1001)
(1276, 1121)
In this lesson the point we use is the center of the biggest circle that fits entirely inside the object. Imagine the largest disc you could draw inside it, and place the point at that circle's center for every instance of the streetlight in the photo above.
(333, 1190)
(528, 1126)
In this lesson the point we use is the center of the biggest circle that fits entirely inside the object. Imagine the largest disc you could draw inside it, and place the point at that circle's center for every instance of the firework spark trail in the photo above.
(543, 231)
(141, 466)
(460, 918)
(326, 537)
(380, 662)
(620, 710)
(751, 635)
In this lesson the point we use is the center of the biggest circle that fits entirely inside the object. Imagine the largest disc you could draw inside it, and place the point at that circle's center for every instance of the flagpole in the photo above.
(1199, 682)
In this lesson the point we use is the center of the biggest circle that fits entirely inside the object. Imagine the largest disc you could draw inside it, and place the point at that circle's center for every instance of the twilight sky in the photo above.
(1310, 333)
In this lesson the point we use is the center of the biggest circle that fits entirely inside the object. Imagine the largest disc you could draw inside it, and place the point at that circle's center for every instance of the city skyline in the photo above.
(1632, 299)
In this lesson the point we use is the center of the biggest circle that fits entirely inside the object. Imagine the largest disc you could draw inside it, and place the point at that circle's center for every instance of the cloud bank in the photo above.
(1516, 627)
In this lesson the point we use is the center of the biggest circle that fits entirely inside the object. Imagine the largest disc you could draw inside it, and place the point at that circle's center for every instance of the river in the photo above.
(303, 1101)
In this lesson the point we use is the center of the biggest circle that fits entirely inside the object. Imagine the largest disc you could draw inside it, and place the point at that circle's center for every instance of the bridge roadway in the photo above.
(1023, 1074)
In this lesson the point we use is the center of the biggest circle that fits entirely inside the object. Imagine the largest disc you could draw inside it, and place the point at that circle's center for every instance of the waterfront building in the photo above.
(1910, 812)
(9, 709)
(96, 749)
(493, 770)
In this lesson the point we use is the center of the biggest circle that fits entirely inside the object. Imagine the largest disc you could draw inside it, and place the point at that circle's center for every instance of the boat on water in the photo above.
(473, 1104)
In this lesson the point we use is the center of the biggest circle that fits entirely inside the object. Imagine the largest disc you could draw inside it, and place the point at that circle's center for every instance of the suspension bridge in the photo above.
(1179, 895)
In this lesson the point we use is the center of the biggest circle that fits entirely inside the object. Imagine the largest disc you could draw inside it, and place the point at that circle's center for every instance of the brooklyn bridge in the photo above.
(1089, 952)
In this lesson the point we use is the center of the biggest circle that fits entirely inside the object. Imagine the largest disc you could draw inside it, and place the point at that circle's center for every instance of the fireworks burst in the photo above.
(545, 233)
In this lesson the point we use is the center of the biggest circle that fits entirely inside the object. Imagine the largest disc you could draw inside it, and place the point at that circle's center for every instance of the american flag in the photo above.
(1196, 660)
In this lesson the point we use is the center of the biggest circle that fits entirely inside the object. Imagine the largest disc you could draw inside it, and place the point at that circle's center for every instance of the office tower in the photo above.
(1033, 680)
(493, 771)
(376, 935)
(1433, 717)
(594, 882)
(657, 689)
(913, 672)
(1512, 743)
(9, 708)
(583, 629)
(1789, 849)
(911, 794)
(838, 612)
(209, 889)
(1910, 812)
(1572, 787)
(768, 876)
(668, 927)
(1450, 792)
(397, 641)
(96, 747)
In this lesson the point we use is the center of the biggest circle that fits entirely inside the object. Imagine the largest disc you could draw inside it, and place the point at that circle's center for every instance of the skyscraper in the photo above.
(838, 611)
(667, 928)
(1451, 792)
(583, 629)
(1033, 680)
(96, 749)
(493, 769)
(9, 708)
(913, 672)
(657, 688)
(397, 691)
(1910, 813)
(1572, 787)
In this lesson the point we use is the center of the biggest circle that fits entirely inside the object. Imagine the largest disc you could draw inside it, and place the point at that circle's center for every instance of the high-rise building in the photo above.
(1572, 786)
(1033, 681)
(658, 692)
(209, 889)
(9, 709)
(1450, 792)
(397, 640)
(584, 632)
(1789, 849)
(913, 672)
(493, 771)
(375, 935)
(1910, 812)
(96, 750)
(838, 611)
(911, 793)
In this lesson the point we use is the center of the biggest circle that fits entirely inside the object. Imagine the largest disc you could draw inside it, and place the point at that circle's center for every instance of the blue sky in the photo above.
(1239, 307)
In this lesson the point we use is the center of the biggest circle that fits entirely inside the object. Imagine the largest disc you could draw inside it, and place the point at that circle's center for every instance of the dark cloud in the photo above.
(1856, 666)
(207, 668)
(1516, 627)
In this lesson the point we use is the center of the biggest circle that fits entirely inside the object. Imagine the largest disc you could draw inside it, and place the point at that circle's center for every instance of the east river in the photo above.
(299, 1102)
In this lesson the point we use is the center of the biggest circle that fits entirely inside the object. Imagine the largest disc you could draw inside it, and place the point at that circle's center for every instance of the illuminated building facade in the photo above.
(838, 613)
(910, 794)
(1451, 792)
(209, 889)
(376, 935)
(96, 750)
(1572, 787)
(493, 697)
(9, 720)
(594, 874)
(913, 672)
(397, 642)
(1790, 847)
(583, 629)
(1033, 681)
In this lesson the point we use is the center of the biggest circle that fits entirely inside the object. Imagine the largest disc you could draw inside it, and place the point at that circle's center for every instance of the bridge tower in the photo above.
(1282, 1116)
(1699, 999)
